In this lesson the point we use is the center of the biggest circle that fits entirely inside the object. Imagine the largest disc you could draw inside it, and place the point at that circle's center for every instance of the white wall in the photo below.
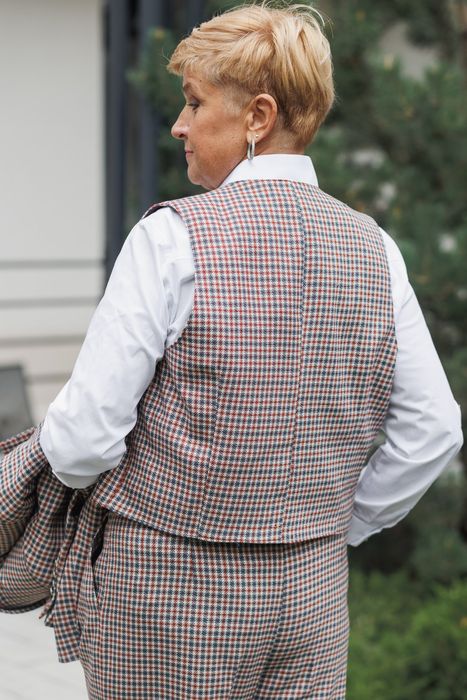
(51, 186)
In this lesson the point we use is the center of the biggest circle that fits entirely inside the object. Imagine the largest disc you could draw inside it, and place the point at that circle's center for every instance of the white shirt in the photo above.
(145, 307)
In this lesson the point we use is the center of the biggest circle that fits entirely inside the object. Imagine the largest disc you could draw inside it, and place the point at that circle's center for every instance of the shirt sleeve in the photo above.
(85, 427)
(422, 426)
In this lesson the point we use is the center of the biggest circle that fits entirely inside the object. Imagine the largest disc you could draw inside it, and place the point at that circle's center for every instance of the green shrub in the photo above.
(440, 555)
(403, 644)
(427, 544)
(435, 648)
(381, 607)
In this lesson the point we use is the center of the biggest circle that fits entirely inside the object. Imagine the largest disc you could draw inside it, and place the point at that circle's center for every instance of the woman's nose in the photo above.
(179, 129)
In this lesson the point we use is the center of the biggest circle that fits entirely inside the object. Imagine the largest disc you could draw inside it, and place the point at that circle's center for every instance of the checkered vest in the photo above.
(260, 416)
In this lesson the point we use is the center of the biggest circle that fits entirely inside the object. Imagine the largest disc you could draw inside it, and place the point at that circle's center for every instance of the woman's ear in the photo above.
(262, 115)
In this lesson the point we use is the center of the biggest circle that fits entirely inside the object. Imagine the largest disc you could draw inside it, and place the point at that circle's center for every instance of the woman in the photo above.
(250, 344)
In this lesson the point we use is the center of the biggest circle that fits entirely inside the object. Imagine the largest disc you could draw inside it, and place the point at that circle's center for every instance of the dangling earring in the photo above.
(251, 148)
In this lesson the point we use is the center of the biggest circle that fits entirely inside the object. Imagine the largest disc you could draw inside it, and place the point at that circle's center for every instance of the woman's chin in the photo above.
(195, 179)
(192, 176)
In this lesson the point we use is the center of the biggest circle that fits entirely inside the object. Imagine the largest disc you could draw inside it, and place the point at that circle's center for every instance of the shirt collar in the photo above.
(275, 166)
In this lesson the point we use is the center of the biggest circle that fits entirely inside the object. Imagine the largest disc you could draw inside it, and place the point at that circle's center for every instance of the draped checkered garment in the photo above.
(260, 416)
(33, 505)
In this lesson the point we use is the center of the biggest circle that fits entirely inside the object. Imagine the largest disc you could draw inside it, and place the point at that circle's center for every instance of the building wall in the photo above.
(51, 186)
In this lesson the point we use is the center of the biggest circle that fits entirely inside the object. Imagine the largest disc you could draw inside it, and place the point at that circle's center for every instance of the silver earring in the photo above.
(251, 148)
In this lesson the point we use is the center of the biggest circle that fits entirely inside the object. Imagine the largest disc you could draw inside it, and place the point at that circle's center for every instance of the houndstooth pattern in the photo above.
(165, 616)
(260, 417)
(21, 460)
(33, 504)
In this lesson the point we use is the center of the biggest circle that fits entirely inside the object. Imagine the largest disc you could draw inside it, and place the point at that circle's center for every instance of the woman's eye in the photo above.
(194, 105)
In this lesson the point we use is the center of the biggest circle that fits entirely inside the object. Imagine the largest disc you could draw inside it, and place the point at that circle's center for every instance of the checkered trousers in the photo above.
(261, 415)
(171, 617)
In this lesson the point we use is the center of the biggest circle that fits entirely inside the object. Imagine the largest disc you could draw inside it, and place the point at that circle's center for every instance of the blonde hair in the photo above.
(255, 49)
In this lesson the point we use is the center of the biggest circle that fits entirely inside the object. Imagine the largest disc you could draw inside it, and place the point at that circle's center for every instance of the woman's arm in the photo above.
(86, 425)
(422, 426)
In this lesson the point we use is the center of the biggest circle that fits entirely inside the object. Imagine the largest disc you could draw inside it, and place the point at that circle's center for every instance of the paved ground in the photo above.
(29, 668)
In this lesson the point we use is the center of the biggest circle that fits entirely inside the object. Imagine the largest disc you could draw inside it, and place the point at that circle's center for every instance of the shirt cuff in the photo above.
(76, 482)
(359, 531)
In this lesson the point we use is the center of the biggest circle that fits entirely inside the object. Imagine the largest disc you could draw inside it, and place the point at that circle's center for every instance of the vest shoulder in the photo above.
(346, 210)
(241, 188)
(183, 202)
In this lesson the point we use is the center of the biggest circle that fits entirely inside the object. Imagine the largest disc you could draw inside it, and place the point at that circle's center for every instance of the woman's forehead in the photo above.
(193, 80)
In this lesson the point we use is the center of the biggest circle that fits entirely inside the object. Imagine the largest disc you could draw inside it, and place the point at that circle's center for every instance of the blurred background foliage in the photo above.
(395, 147)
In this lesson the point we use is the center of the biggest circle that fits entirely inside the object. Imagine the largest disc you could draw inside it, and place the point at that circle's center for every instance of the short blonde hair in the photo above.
(262, 49)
